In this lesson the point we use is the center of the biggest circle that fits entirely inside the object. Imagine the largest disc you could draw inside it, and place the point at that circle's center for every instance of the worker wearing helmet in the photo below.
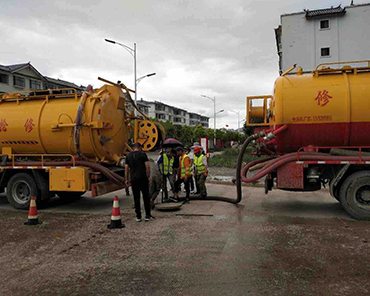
(165, 164)
(183, 173)
(201, 171)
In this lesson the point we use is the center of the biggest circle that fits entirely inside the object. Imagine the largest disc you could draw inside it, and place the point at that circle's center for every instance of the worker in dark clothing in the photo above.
(156, 180)
(137, 172)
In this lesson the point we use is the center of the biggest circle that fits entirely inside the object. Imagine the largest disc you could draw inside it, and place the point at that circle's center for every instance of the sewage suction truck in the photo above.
(64, 142)
(315, 131)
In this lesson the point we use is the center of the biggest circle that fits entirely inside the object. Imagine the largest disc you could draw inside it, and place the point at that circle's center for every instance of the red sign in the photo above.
(28, 126)
(323, 98)
(3, 125)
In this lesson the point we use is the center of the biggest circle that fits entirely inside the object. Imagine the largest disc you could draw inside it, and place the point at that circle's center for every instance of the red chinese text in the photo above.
(323, 98)
(28, 126)
(3, 125)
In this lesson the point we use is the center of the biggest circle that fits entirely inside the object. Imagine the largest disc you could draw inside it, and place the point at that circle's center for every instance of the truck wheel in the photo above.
(20, 188)
(70, 195)
(355, 195)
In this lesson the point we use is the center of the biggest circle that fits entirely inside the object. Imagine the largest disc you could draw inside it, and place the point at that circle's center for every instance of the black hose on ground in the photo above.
(238, 177)
(239, 167)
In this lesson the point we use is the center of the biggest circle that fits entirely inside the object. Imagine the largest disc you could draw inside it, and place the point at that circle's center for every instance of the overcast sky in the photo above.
(222, 49)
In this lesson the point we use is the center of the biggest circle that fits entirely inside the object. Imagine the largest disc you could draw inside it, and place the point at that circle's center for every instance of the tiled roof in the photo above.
(326, 11)
(61, 82)
(15, 67)
(12, 68)
(18, 66)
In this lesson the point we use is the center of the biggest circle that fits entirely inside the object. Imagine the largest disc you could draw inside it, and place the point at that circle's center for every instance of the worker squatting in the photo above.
(174, 167)
(182, 166)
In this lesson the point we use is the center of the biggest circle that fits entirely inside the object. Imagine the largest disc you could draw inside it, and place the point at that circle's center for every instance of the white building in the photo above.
(25, 77)
(327, 35)
(176, 115)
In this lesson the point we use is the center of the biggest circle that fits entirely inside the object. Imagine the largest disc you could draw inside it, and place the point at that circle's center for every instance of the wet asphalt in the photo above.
(284, 243)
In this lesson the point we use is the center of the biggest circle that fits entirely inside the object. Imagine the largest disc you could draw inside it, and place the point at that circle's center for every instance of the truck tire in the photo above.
(19, 190)
(70, 195)
(354, 195)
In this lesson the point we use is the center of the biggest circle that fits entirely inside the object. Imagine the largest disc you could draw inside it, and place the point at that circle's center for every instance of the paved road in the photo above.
(282, 244)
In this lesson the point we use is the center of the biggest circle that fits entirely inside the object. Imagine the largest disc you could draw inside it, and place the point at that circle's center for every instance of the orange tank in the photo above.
(328, 107)
(39, 124)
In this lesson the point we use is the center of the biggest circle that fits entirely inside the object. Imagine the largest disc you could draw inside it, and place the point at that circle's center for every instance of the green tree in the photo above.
(249, 130)
(199, 132)
(169, 128)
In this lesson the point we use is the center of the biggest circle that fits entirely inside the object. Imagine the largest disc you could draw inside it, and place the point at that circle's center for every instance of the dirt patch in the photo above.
(221, 171)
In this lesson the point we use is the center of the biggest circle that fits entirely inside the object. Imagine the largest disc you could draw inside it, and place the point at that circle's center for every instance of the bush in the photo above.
(187, 135)
(229, 157)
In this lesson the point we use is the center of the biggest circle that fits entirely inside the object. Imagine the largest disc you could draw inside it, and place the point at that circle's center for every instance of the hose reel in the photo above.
(148, 134)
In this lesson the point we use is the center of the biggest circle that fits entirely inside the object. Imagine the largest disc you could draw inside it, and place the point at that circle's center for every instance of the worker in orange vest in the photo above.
(183, 173)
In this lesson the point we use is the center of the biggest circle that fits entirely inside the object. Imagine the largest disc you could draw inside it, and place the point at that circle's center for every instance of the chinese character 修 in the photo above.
(323, 98)
(29, 125)
(3, 125)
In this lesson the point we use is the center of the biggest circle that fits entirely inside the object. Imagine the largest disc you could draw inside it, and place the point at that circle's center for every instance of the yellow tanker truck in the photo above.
(66, 143)
(315, 129)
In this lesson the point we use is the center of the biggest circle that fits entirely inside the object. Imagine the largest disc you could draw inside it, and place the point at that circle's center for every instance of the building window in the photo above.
(325, 52)
(144, 109)
(34, 84)
(4, 78)
(49, 86)
(324, 25)
(160, 116)
(159, 107)
(19, 81)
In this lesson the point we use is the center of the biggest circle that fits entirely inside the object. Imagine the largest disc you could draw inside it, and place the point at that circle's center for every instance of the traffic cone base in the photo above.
(32, 213)
(115, 224)
(32, 222)
(115, 220)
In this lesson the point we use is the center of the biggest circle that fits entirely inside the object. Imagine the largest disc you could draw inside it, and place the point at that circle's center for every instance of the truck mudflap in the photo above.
(98, 189)
(334, 182)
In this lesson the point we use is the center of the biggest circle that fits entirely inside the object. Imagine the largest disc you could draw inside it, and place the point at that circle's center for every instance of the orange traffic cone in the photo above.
(32, 213)
(115, 220)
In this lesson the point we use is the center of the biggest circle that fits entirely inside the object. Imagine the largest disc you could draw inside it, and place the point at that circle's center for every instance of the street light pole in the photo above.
(214, 118)
(142, 77)
(237, 112)
(131, 51)
(135, 75)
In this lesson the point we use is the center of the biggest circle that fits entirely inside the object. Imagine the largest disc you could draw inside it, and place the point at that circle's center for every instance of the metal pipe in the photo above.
(135, 76)
(289, 70)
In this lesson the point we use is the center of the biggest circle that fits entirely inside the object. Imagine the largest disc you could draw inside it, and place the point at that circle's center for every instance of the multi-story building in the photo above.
(176, 115)
(195, 119)
(312, 37)
(25, 77)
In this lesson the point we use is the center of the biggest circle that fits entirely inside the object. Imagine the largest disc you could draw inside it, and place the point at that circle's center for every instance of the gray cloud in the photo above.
(212, 47)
